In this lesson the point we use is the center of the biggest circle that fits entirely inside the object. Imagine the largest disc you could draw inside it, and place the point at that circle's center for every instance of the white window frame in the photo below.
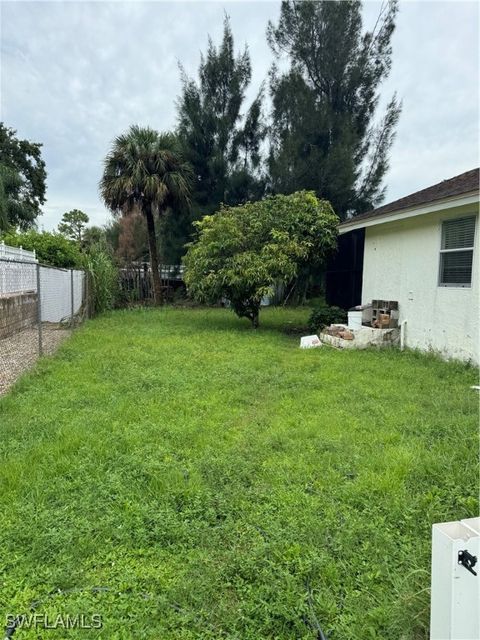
(442, 251)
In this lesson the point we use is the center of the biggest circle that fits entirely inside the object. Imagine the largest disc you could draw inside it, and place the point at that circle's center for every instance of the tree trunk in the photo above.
(254, 318)
(152, 245)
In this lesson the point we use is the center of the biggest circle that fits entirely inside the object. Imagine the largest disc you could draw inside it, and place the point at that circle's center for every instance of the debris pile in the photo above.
(384, 314)
(343, 337)
(369, 325)
(339, 331)
(309, 342)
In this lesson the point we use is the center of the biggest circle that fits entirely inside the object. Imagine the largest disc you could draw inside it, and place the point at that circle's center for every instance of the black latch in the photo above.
(467, 560)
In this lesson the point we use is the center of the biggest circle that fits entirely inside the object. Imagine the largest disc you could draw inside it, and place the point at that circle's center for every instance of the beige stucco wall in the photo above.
(401, 262)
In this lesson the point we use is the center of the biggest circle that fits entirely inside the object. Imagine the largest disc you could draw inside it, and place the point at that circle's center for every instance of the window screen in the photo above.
(456, 254)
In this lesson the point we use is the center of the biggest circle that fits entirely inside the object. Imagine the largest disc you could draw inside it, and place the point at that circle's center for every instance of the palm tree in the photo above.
(145, 170)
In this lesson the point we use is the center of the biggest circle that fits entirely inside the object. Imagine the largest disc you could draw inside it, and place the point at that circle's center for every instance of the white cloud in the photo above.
(76, 74)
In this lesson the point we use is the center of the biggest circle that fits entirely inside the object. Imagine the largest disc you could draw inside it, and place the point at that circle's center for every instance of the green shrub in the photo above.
(102, 278)
(241, 253)
(51, 248)
(324, 315)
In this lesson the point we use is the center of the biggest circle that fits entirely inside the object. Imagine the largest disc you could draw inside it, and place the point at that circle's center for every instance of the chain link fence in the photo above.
(136, 283)
(40, 306)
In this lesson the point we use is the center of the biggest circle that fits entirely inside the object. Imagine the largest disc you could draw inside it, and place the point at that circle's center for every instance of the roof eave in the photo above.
(410, 212)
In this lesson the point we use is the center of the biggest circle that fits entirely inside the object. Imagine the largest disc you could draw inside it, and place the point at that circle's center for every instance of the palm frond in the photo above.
(145, 168)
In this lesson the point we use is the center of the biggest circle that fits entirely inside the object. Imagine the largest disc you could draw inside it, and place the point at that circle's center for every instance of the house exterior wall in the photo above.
(401, 262)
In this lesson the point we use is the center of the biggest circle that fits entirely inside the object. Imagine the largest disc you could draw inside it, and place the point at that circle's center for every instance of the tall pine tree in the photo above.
(221, 142)
(325, 135)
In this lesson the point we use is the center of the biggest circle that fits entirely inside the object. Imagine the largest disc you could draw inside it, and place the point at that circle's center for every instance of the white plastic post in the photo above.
(455, 595)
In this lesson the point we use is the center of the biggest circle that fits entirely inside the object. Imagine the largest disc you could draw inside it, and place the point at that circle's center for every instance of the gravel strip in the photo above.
(19, 352)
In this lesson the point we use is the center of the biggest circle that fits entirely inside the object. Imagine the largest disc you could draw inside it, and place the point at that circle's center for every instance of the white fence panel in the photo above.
(78, 290)
(18, 270)
(16, 277)
(56, 293)
(16, 253)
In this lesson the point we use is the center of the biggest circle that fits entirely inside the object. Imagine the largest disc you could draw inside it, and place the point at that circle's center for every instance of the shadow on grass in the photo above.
(286, 321)
(272, 320)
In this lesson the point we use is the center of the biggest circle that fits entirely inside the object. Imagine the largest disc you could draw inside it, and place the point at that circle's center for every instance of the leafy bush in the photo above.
(324, 315)
(242, 252)
(51, 248)
(102, 278)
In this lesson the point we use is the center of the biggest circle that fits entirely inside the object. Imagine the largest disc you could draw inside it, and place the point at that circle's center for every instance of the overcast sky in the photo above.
(76, 74)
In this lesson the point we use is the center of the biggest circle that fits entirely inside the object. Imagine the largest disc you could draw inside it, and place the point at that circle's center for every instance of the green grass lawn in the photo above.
(186, 477)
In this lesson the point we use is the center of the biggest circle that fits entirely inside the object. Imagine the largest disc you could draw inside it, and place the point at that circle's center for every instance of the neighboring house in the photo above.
(422, 251)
